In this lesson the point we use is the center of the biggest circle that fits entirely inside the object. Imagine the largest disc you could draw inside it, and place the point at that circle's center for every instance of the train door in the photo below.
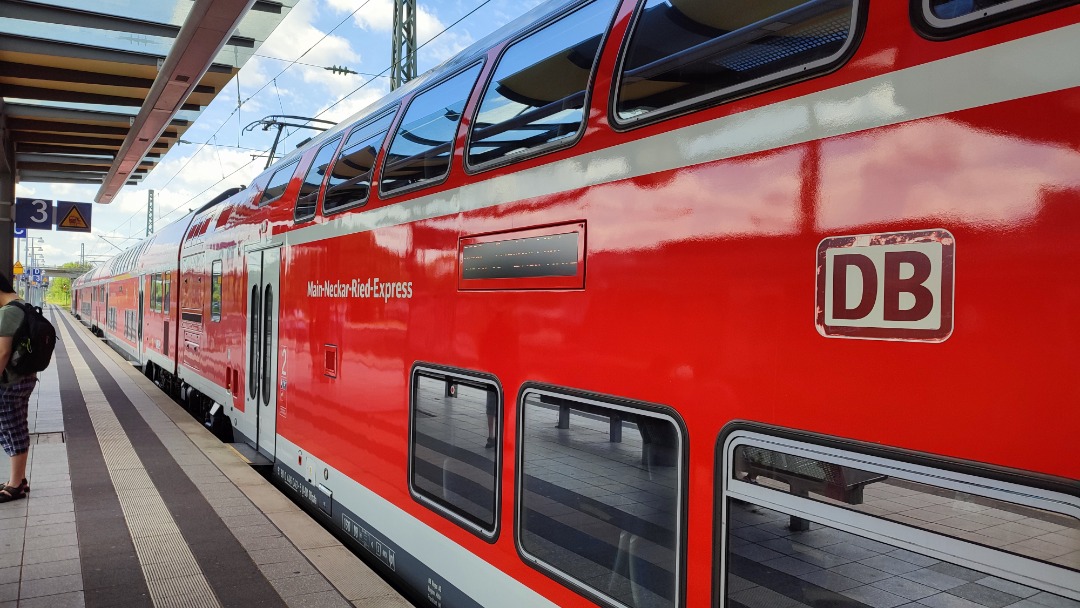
(261, 345)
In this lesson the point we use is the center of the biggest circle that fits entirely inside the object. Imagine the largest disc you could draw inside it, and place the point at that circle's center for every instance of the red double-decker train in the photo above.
(662, 303)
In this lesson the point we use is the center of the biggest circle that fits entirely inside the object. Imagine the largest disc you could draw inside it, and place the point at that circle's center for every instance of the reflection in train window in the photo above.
(456, 420)
(349, 184)
(155, 292)
(987, 521)
(952, 9)
(815, 525)
(215, 290)
(421, 149)
(769, 565)
(535, 99)
(267, 341)
(308, 197)
(600, 498)
(683, 52)
(166, 291)
(956, 16)
(278, 183)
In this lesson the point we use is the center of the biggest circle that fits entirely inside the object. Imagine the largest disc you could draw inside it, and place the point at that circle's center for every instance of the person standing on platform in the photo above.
(14, 397)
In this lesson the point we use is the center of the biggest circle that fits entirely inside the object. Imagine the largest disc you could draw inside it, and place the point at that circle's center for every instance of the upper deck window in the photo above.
(535, 100)
(423, 144)
(308, 198)
(278, 182)
(349, 184)
(949, 18)
(683, 53)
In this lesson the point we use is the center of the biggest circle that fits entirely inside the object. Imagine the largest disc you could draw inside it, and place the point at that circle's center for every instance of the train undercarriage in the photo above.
(202, 408)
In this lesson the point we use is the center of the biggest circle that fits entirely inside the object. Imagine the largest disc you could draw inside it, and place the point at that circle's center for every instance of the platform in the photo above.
(134, 503)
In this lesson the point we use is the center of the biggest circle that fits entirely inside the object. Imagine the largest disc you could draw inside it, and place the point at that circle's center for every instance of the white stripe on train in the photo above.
(475, 577)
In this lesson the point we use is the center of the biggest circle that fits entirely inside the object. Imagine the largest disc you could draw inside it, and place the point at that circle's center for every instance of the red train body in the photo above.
(805, 300)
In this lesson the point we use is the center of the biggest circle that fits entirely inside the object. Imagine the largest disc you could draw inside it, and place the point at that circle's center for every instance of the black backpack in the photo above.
(33, 342)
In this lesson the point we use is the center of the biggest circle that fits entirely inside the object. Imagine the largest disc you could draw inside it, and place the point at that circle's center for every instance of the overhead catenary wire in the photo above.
(388, 68)
(240, 103)
(315, 65)
(267, 83)
(292, 63)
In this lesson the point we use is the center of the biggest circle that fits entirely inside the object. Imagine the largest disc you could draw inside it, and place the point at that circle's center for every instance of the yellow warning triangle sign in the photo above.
(74, 220)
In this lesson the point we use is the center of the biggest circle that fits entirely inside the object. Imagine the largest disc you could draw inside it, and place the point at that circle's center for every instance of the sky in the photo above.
(287, 76)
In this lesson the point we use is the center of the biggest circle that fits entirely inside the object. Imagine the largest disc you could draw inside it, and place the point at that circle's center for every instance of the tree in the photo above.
(60, 288)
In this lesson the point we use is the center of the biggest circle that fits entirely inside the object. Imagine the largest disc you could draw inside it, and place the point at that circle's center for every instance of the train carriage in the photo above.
(677, 303)
(214, 312)
(91, 291)
(158, 266)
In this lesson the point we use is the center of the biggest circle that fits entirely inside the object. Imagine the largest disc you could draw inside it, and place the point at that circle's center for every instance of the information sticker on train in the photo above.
(889, 286)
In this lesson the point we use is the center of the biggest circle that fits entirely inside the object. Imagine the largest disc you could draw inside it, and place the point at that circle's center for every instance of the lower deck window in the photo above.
(803, 524)
(600, 498)
(455, 448)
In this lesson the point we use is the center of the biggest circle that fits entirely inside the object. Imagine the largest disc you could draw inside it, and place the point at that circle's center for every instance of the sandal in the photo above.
(10, 493)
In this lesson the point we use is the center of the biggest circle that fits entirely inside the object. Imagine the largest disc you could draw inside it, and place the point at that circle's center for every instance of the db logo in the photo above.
(895, 286)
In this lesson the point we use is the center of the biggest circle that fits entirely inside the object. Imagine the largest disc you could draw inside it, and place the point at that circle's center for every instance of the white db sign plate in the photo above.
(890, 286)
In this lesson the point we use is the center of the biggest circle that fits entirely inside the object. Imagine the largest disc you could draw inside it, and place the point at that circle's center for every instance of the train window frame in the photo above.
(269, 319)
(441, 506)
(374, 118)
(761, 84)
(938, 29)
(215, 290)
(289, 170)
(311, 199)
(588, 402)
(985, 482)
(399, 124)
(254, 326)
(523, 38)
(166, 282)
(156, 293)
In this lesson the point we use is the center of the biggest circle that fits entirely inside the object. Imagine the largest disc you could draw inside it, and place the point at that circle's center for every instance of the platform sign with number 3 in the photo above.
(33, 213)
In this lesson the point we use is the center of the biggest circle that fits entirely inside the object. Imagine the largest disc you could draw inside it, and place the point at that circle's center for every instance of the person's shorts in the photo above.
(14, 403)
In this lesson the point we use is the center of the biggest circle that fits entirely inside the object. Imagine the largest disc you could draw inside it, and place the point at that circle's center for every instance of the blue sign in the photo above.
(36, 273)
(33, 213)
(20, 233)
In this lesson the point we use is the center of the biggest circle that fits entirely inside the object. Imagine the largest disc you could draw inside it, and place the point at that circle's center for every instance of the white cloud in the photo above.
(306, 83)
(378, 16)
(360, 100)
(192, 180)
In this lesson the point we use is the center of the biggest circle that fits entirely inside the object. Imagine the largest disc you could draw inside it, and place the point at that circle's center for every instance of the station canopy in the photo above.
(97, 92)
